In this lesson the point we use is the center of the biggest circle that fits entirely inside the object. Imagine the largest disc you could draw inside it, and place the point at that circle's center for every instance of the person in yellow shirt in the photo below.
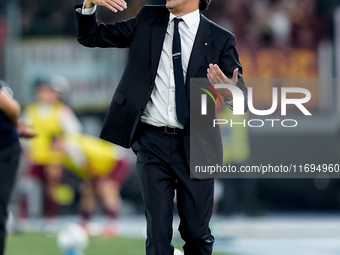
(103, 168)
(48, 117)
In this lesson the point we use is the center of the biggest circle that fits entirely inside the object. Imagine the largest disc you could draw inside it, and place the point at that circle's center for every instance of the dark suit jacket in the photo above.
(144, 35)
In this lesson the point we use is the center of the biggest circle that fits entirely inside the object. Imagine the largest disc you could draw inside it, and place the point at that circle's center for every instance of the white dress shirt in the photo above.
(161, 109)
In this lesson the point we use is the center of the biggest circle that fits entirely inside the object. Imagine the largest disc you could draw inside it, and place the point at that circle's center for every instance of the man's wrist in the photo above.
(88, 8)
(230, 102)
(88, 5)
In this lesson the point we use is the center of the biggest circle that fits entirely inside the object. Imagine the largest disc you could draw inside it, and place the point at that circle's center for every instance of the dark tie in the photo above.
(182, 108)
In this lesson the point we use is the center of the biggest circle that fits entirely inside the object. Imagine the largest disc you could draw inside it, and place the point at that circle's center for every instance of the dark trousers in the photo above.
(163, 168)
(9, 159)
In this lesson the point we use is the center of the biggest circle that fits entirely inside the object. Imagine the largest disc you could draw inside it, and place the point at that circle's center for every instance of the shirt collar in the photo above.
(189, 19)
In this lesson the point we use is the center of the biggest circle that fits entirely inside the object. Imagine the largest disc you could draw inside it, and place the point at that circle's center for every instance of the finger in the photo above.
(210, 78)
(219, 79)
(115, 5)
(213, 71)
(110, 7)
(215, 76)
(118, 7)
(124, 4)
(27, 134)
(219, 72)
(235, 75)
(118, 4)
(210, 73)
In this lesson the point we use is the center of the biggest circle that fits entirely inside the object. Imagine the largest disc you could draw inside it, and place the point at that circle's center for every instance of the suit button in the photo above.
(141, 109)
(151, 87)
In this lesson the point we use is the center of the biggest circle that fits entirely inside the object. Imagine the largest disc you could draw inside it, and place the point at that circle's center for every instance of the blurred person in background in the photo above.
(103, 168)
(49, 117)
(10, 130)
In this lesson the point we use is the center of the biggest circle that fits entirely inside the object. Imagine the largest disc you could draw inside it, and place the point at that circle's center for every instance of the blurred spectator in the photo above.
(49, 118)
(103, 168)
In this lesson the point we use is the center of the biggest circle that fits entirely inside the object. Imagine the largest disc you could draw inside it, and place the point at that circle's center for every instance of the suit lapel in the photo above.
(159, 27)
(199, 50)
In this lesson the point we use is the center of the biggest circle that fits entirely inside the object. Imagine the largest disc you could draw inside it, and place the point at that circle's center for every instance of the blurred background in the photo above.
(297, 41)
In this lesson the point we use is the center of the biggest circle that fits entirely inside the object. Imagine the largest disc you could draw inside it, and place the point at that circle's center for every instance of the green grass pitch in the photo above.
(40, 244)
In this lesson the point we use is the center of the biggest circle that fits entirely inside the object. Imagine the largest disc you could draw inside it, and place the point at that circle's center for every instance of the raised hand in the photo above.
(216, 76)
(113, 5)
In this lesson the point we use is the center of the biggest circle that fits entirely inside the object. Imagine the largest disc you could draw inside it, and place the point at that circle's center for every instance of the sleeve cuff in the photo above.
(229, 103)
(88, 11)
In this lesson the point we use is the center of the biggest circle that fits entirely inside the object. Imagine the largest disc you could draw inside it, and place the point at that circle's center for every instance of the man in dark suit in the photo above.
(150, 108)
